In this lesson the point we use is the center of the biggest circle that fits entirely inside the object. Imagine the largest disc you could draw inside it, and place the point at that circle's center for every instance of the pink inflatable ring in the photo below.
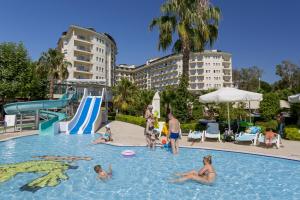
(128, 153)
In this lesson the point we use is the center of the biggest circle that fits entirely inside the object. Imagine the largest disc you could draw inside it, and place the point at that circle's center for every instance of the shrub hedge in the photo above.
(292, 133)
(140, 121)
(269, 124)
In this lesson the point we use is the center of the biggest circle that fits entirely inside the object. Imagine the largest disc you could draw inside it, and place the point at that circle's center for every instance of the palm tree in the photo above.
(167, 97)
(52, 62)
(194, 21)
(123, 94)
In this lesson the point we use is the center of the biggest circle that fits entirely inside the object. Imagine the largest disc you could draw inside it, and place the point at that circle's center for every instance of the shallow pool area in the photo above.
(146, 176)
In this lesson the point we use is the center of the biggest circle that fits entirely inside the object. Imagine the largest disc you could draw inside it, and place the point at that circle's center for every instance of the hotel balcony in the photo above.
(83, 59)
(227, 79)
(83, 69)
(83, 50)
(83, 39)
(226, 64)
(79, 75)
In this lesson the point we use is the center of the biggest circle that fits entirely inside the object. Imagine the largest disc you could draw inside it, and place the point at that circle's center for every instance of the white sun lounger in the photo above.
(276, 140)
(195, 135)
(212, 131)
(247, 137)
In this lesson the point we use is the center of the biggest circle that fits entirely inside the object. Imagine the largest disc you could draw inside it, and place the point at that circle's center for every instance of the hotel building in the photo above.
(211, 69)
(92, 55)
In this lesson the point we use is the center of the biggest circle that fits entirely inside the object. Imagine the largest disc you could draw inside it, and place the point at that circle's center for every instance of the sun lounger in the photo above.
(195, 135)
(158, 130)
(246, 137)
(276, 140)
(212, 131)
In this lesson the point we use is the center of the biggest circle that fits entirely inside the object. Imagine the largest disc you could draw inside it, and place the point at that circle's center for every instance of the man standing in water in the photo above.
(174, 130)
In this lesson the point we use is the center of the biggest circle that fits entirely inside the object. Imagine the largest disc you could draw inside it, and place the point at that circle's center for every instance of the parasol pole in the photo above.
(228, 117)
(250, 111)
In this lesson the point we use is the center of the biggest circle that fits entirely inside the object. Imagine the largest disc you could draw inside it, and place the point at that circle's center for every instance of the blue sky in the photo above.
(256, 32)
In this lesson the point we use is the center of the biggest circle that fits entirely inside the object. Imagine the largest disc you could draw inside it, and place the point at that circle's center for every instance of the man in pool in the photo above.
(103, 175)
(206, 175)
(174, 129)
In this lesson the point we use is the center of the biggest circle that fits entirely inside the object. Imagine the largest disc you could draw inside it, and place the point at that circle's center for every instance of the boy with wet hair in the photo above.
(103, 175)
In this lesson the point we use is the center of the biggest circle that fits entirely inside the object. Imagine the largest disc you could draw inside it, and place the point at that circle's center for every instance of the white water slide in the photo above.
(88, 117)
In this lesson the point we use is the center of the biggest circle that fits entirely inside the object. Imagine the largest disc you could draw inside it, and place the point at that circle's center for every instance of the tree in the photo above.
(194, 21)
(142, 98)
(269, 106)
(37, 85)
(247, 78)
(289, 74)
(180, 105)
(265, 86)
(166, 98)
(14, 70)
(53, 64)
(123, 94)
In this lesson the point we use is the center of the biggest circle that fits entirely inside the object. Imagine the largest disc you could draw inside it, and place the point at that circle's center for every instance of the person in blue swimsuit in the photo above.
(174, 133)
(104, 137)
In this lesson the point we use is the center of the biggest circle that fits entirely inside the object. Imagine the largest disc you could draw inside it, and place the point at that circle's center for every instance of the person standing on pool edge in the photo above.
(174, 129)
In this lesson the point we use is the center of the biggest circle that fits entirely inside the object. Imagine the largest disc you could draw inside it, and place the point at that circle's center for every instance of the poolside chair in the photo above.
(158, 130)
(194, 135)
(212, 131)
(276, 140)
(248, 137)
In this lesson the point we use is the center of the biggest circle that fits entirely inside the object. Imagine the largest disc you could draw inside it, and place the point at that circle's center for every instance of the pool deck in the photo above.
(11, 135)
(125, 134)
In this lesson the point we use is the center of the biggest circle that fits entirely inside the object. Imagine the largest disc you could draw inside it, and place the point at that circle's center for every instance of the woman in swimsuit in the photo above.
(104, 137)
(206, 175)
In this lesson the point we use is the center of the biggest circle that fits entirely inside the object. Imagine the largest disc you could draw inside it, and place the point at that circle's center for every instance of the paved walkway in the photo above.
(129, 134)
(132, 135)
(12, 135)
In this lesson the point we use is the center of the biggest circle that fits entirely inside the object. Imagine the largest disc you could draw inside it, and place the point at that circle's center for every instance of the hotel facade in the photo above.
(211, 69)
(92, 55)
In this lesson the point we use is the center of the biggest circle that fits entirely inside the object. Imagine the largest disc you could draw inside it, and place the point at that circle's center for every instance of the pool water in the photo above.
(145, 176)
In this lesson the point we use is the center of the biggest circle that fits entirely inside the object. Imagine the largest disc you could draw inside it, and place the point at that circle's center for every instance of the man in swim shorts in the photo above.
(103, 175)
(174, 130)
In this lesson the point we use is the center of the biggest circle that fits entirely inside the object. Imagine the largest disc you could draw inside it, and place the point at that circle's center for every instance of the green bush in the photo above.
(140, 121)
(292, 133)
(185, 128)
(111, 116)
(269, 106)
(269, 124)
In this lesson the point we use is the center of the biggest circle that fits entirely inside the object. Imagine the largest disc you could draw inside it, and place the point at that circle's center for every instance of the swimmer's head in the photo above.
(207, 159)
(98, 168)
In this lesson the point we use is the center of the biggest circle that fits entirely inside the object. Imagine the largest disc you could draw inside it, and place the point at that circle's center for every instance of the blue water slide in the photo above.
(95, 112)
(83, 116)
(46, 127)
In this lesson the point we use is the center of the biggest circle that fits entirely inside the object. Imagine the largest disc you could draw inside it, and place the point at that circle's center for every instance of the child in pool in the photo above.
(106, 137)
(103, 175)
(206, 175)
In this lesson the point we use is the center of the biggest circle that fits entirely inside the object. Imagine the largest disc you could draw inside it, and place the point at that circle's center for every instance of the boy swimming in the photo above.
(103, 175)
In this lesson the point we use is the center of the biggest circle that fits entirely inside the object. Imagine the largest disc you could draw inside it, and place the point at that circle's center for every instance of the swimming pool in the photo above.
(145, 176)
